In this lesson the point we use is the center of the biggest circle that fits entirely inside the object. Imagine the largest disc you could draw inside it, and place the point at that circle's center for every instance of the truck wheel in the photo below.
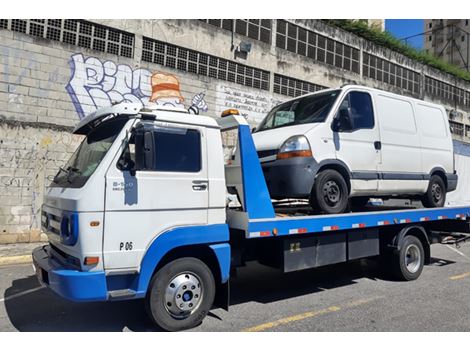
(409, 261)
(435, 196)
(180, 294)
(329, 193)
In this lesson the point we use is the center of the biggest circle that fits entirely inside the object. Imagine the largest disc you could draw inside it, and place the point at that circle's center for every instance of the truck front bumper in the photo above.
(70, 283)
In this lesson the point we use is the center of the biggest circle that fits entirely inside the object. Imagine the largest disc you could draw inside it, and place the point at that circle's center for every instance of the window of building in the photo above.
(430, 38)
(456, 128)
(183, 59)
(466, 22)
(447, 92)
(299, 40)
(76, 32)
(463, 38)
(259, 29)
(390, 73)
(430, 25)
(294, 87)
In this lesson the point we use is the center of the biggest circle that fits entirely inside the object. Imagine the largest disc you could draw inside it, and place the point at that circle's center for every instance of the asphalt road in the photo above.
(346, 297)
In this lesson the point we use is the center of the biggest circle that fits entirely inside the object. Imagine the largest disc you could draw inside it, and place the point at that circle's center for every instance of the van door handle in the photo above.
(200, 185)
(378, 145)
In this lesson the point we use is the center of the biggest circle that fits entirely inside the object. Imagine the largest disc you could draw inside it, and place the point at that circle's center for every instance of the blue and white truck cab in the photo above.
(140, 211)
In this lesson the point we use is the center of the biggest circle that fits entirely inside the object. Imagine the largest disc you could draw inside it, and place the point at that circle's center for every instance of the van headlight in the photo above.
(293, 147)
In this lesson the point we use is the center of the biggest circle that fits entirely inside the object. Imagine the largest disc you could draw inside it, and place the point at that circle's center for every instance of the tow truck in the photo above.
(140, 212)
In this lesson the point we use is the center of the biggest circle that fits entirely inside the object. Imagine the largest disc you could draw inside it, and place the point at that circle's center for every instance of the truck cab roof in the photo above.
(152, 111)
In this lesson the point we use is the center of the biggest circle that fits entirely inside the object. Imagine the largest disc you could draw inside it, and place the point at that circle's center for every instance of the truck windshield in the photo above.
(88, 155)
(309, 109)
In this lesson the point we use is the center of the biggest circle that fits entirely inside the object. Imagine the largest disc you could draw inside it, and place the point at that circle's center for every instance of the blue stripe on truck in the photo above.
(179, 237)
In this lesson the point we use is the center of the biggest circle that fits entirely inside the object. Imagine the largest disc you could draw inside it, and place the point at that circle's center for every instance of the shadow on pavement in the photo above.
(43, 310)
(265, 285)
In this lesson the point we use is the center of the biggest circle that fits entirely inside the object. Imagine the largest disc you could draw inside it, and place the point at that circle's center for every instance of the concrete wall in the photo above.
(47, 86)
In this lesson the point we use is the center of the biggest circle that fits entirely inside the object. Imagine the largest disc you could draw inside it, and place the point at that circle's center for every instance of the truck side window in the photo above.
(127, 159)
(358, 105)
(177, 149)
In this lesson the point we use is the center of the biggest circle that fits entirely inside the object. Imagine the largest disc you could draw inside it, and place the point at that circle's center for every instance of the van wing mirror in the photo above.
(342, 120)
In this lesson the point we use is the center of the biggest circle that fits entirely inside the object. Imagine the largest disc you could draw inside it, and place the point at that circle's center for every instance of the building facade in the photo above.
(55, 72)
(449, 39)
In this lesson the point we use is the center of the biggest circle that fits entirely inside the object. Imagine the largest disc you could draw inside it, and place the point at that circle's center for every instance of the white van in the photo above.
(354, 143)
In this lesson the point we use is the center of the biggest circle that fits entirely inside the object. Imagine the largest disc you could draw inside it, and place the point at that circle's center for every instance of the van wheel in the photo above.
(329, 193)
(435, 196)
(180, 294)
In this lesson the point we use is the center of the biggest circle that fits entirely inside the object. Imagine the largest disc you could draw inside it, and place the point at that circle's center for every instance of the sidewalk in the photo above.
(17, 253)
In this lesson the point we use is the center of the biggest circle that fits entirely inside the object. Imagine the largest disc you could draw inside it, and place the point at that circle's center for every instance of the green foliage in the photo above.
(386, 39)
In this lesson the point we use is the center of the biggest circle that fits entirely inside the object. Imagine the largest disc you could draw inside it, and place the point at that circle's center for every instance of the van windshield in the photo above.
(88, 155)
(308, 109)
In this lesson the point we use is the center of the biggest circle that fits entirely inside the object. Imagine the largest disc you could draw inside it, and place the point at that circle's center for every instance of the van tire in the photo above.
(435, 196)
(195, 281)
(330, 193)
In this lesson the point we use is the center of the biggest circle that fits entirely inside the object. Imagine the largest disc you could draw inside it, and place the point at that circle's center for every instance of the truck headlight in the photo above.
(296, 146)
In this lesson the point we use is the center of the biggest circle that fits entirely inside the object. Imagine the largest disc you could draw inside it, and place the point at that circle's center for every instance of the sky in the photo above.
(405, 28)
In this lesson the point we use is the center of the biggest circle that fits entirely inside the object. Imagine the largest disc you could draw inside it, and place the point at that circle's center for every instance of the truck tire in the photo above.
(408, 263)
(435, 196)
(180, 294)
(329, 193)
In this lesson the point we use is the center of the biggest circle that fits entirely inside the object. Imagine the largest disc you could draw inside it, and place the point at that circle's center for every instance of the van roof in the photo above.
(348, 86)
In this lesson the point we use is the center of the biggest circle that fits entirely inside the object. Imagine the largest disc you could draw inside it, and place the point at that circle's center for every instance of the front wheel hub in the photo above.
(183, 295)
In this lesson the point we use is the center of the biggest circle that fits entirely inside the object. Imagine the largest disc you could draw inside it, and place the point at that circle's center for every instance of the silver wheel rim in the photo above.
(183, 295)
(412, 258)
(331, 193)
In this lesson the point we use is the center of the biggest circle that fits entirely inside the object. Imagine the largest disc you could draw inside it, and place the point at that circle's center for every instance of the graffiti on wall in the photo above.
(95, 83)
(252, 105)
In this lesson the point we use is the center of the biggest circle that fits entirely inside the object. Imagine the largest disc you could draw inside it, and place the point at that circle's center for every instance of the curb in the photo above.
(17, 259)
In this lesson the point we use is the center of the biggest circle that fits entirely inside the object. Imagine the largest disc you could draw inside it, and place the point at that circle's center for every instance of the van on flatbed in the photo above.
(345, 145)
(139, 212)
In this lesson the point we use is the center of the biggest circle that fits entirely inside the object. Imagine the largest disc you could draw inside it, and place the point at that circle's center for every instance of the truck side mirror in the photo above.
(148, 149)
(144, 148)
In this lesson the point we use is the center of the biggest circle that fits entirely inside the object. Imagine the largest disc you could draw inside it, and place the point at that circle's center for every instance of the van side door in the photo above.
(401, 168)
(357, 140)
(158, 181)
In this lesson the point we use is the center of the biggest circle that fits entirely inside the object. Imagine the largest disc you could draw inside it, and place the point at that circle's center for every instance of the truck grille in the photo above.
(50, 222)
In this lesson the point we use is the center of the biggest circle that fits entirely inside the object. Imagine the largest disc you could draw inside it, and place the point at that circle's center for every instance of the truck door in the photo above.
(357, 140)
(158, 181)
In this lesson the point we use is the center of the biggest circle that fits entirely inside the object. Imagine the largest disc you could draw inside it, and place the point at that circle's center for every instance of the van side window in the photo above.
(358, 105)
(177, 149)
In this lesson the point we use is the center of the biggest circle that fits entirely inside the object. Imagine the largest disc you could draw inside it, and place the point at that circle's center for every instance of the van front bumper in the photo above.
(451, 182)
(72, 284)
(290, 178)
